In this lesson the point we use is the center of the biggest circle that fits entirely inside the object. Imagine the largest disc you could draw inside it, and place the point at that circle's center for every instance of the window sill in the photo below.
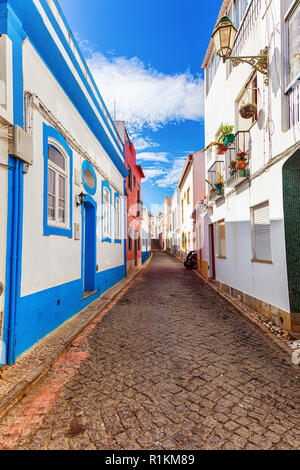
(118, 241)
(264, 261)
(106, 240)
(222, 257)
(59, 231)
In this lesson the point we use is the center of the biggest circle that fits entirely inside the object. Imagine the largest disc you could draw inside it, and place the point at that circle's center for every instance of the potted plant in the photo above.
(232, 166)
(219, 182)
(248, 110)
(221, 149)
(241, 161)
(226, 135)
(212, 188)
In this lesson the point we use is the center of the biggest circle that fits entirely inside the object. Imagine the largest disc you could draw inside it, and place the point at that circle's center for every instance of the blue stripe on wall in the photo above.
(41, 313)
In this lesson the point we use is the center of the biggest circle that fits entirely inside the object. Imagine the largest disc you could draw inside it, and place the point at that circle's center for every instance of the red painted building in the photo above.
(134, 202)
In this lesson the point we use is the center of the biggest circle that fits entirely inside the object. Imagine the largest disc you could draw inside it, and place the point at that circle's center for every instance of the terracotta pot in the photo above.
(240, 165)
(221, 149)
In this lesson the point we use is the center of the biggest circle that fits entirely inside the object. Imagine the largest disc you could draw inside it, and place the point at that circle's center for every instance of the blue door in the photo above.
(89, 257)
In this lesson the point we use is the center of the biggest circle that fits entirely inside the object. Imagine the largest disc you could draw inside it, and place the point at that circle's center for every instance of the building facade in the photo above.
(254, 181)
(62, 179)
(146, 235)
(186, 188)
(134, 202)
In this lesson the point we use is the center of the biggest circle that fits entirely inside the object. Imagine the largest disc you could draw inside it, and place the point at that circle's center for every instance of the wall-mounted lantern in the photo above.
(224, 36)
(80, 199)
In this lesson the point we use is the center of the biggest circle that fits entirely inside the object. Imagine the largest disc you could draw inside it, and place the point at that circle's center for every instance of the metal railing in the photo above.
(241, 145)
(294, 105)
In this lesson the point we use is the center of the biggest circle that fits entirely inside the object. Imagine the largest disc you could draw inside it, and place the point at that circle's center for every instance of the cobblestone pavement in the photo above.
(170, 366)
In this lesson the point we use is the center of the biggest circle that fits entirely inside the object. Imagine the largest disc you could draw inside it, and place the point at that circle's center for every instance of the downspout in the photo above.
(14, 266)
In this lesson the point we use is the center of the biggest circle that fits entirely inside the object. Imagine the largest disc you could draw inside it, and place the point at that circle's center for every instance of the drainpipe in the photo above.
(14, 266)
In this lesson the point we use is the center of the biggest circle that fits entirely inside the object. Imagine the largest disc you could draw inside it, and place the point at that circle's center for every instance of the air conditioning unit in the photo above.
(21, 144)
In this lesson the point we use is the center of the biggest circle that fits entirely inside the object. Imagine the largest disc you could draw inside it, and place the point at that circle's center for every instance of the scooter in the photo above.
(191, 260)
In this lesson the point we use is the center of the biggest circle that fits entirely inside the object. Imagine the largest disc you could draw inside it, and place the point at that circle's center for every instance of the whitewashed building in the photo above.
(146, 235)
(186, 189)
(175, 222)
(255, 221)
(62, 178)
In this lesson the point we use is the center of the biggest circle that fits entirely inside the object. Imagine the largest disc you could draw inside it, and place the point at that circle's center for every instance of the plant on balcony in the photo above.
(226, 135)
(219, 185)
(232, 167)
(221, 149)
(241, 161)
(212, 188)
(248, 110)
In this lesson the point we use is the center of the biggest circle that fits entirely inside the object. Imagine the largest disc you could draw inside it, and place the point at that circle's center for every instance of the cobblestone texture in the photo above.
(171, 366)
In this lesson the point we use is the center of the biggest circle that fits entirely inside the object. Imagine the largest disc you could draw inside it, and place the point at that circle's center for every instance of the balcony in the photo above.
(215, 176)
(240, 154)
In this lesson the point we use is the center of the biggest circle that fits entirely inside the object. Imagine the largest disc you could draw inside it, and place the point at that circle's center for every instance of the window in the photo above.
(293, 42)
(188, 195)
(134, 181)
(129, 178)
(118, 217)
(106, 212)
(182, 211)
(260, 232)
(183, 243)
(221, 239)
(129, 239)
(58, 167)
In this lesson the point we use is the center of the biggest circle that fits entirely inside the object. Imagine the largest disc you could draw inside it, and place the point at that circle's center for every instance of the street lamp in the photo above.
(80, 199)
(224, 36)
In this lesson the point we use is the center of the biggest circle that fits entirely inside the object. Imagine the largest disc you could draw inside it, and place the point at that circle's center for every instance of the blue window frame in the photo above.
(89, 178)
(118, 220)
(106, 212)
(58, 184)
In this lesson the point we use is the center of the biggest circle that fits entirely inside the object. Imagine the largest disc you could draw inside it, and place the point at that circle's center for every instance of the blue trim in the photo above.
(87, 166)
(42, 312)
(106, 185)
(90, 243)
(117, 196)
(12, 27)
(45, 45)
(49, 229)
(108, 116)
(125, 229)
(145, 256)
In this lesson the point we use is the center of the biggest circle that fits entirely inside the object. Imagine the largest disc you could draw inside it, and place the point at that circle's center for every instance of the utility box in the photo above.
(21, 144)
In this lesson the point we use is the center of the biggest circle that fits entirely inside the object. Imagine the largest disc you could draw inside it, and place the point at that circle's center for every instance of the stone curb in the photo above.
(59, 341)
(243, 311)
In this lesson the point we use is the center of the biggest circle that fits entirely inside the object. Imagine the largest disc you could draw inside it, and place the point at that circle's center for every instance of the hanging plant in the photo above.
(226, 136)
(232, 164)
(221, 149)
(248, 110)
(241, 156)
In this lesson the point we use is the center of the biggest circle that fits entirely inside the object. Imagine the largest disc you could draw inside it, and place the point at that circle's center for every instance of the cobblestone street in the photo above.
(170, 366)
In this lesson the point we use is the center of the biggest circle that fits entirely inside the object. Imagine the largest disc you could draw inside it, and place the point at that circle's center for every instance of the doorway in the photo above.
(89, 249)
(212, 252)
(291, 207)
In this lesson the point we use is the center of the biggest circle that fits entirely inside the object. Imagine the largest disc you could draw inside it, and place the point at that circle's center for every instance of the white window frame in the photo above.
(221, 254)
(118, 218)
(106, 213)
(287, 16)
(255, 256)
(58, 171)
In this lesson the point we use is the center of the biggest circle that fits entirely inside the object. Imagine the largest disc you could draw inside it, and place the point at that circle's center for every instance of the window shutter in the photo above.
(261, 232)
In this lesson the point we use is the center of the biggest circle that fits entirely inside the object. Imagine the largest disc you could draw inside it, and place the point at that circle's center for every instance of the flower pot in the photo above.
(241, 156)
(228, 140)
(240, 164)
(221, 149)
(248, 111)
(218, 186)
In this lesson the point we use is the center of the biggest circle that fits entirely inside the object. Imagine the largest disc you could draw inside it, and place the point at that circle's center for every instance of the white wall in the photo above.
(267, 282)
(55, 260)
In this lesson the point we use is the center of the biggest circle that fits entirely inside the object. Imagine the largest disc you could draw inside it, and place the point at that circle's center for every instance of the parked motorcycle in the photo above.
(191, 260)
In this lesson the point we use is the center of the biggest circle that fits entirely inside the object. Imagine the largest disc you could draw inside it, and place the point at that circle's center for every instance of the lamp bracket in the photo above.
(258, 62)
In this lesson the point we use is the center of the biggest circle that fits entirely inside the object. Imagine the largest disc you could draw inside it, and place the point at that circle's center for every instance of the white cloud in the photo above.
(145, 97)
(151, 173)
(161, 157)
(142, 143)
(172, 176)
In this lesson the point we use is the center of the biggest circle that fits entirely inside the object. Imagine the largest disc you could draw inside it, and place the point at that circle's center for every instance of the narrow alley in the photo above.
(170, 366)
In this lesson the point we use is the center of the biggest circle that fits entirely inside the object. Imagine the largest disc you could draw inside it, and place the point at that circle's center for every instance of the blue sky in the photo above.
(146, 56)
